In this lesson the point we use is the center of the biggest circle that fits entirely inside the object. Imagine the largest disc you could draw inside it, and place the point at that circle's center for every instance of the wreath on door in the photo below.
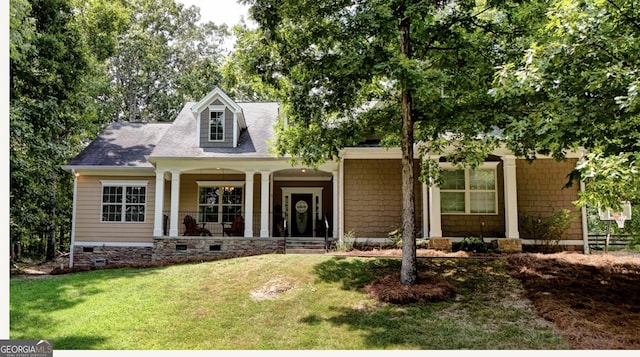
(301, 216)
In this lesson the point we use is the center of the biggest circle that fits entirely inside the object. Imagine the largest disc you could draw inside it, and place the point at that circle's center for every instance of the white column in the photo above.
(585, 223)
(158, 221)
(73, 216)
(510, 197)
(435, 216)
(340, 224)
(264, 204)
(175, 202)
(425, 210)
(335, 195)
(248, 204)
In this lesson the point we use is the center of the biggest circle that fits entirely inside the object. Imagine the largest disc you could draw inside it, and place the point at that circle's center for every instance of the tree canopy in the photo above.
(576, 87)
(401, 71)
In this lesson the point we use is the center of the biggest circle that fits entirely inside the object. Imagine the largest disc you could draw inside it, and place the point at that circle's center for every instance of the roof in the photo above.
(122, 144)
(180, 140)
(129, 144)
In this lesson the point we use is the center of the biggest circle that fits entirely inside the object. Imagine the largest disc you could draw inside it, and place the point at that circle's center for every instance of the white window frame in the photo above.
(123, 205)
(217, 109)
(220, 204)
(489, 165)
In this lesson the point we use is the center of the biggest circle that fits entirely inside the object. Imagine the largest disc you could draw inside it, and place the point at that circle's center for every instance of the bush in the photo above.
(546, 231)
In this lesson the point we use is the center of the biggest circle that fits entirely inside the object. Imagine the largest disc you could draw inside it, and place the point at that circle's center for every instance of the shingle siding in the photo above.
(541, 191)
(373, 197)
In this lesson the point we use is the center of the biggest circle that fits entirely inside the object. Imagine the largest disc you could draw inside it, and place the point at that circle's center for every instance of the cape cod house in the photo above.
(206, 184)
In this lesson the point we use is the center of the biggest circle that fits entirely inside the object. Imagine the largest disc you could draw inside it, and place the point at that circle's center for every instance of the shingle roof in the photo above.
(127, 144)
(122, 144)
(180, 140)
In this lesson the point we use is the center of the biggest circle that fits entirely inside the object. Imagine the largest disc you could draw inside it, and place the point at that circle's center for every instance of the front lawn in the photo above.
(276, 302)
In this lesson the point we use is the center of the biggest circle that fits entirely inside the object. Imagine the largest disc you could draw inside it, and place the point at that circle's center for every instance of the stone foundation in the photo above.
(443, 244)
(183, 247)
(168, 248)
(509, 245)
(104, 256)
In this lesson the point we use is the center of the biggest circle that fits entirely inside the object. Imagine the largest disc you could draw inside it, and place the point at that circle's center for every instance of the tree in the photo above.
(163, 58)
(50, 66)
(576, 86)
(429, 64)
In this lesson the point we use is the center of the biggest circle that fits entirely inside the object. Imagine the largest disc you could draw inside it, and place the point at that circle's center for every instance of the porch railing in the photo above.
(216, 228)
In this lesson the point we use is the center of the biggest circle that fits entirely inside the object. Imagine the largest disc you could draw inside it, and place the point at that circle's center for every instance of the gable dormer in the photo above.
(219, 121)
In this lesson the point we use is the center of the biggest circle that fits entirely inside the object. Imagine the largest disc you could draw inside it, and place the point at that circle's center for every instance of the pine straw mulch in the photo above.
(593, 300)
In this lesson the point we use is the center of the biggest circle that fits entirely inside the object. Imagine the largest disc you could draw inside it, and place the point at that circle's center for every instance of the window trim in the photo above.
(487, 165)
(124, 184)
(217, 109)
(220, 184)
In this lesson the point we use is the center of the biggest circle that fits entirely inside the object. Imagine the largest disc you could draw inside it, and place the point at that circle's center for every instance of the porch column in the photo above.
(248, 204)
(340, 224)
(158, 219)
(264, 204)
(435, 216)
(175, 202)
(510, 197)
(425, 210)
(334, 215)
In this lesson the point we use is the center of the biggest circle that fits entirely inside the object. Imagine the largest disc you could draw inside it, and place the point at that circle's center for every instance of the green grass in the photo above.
(318, 304)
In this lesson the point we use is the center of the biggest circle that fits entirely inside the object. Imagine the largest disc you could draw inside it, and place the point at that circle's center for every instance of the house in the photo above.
(151, 191)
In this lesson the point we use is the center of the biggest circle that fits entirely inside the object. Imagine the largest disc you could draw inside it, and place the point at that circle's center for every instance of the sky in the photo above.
(219, 11)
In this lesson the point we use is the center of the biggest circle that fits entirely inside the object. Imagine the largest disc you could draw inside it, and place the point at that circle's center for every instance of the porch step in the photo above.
(305, 245)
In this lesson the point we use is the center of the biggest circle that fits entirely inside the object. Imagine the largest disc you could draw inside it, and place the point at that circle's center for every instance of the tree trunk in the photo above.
(408, 271)
(51, 242)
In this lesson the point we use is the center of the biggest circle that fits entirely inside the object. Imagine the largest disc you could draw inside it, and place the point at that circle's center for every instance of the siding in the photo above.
(373, 197)
(89, 227)
(541, 191)
(228, 129)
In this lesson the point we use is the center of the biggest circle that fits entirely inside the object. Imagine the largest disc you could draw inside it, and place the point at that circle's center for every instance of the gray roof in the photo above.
(122, 144)
(180, 139)
(127, 144)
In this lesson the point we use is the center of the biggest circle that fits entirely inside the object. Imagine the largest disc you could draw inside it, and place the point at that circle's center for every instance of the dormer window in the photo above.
(216, 124)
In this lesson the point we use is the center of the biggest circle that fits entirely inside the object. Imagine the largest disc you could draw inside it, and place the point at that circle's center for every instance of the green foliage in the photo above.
(576, 86)
(346, 243)
(473, 244)
(162, 58)
(547, 231)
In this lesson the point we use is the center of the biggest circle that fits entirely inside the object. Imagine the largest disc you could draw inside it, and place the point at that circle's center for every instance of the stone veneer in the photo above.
(168, 248)
(110, 255)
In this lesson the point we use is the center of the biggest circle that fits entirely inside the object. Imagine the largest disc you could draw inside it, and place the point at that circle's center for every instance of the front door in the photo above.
(302, 215)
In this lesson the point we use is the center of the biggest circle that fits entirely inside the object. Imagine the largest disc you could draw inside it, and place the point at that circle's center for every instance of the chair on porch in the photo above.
(236, 228)
(192, 229)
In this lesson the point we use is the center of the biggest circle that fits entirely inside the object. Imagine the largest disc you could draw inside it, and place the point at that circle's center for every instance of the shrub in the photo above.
(546, 231)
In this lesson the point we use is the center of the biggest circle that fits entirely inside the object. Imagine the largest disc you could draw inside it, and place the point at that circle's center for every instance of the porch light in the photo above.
(304, 170)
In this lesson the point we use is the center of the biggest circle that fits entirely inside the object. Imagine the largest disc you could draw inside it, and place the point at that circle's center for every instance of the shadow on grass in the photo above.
(77, 343)
(354, 274)
(476, 319)
(33, 300)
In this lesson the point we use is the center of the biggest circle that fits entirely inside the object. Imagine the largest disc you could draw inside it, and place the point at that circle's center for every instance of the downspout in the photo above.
(73, 217)
(585, 224)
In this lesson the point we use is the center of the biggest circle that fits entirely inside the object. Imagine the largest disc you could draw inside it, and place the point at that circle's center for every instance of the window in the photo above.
(216, 125)
(469, 191)
(124, 201)
(219, 202)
